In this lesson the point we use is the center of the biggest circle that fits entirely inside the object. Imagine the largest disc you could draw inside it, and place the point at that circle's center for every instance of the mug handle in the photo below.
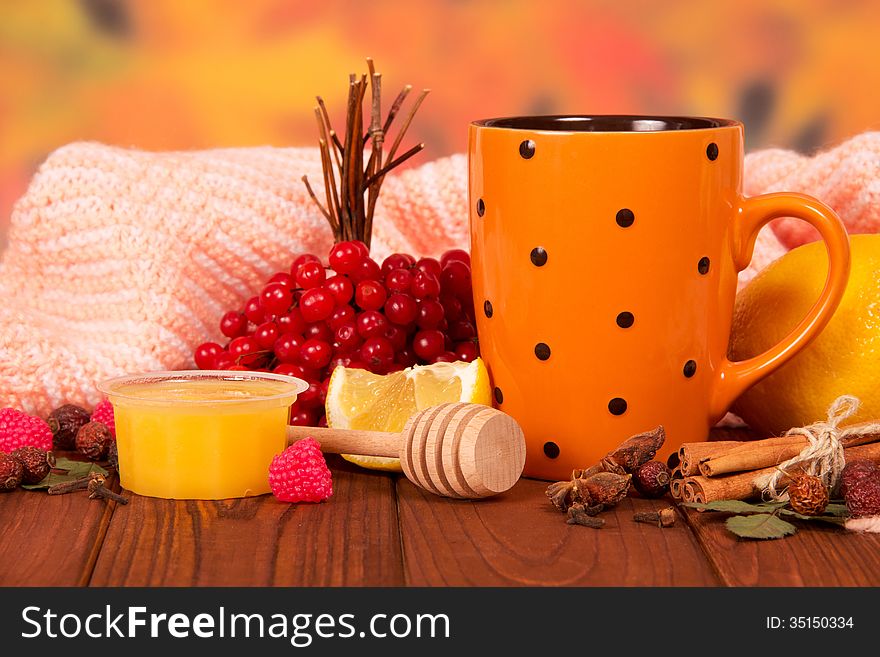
(735, 377)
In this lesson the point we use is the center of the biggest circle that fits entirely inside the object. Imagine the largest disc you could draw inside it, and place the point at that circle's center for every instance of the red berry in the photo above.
(401, 309)
(287, 348)
(303, 417)
(455, 255)
(371, 323)
(300, 260)
(341, 288)
(462, 330)
(206, 355)
(451, 307)
(370, 295)
(310, 274)
(291, 322)
(425, 285)
(456, 279)
(253, 310)
(445, 357)
(284, 278)
(377, 354)
(344, 257)
(430, 314)
(311, 397)
(316, 304)
(396, 336)
(300, 473)
(233, 324)
(466, 351)
(366, 270)
(18, 429)
(342, 315)
(406, 358)
(315, 353)
(243, 346)
(362, 248)
(397, 261)
(398, 280)
(223, 361)
(276, 298)
(348, 337)
(428, 344)
(430, 266)
(318, 331)
(266, 334)
(289, 369)
(103, 413)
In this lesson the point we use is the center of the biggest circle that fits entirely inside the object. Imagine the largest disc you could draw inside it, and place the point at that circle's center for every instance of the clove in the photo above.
(578, 514)
(75, 485)
(662, 518)
(97, 489)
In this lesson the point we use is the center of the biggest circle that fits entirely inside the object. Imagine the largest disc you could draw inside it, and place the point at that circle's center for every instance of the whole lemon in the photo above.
(844, 359)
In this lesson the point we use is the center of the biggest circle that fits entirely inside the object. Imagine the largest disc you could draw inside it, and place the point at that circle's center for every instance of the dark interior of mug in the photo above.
(605, 123)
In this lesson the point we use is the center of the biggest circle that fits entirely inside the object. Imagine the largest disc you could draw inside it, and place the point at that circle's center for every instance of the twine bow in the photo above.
(823, 456)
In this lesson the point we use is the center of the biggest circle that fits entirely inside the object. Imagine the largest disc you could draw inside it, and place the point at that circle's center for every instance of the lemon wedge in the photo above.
(358, 399)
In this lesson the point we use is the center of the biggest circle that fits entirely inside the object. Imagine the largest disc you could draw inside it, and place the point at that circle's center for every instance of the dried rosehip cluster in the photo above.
(354, 313)
(25, 465)
(591, 491)
(90, 434)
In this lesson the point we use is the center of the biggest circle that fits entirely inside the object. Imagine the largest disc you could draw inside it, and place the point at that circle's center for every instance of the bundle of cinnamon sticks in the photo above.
(738, 470)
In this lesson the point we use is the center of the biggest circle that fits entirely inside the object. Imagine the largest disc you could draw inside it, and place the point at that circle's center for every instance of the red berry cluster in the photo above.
(354, 313)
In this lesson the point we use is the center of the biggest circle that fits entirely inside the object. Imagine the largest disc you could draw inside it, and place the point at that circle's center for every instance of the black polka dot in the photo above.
(481, 208)
(527, 149)
(542, 351)
(703, 265)
(487, 308)
(690, 368)
(712, 151)
(551, 450)
(499, 396)
(625, 319)
(617, 406)
(625, 218)
(538, 256)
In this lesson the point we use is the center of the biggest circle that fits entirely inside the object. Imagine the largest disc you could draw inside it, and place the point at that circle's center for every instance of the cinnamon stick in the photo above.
(745, 485)
(690, 454)
(675, 483)
(754, 455)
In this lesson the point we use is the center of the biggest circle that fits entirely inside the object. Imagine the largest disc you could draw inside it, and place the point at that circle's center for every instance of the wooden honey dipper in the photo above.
(456, 450)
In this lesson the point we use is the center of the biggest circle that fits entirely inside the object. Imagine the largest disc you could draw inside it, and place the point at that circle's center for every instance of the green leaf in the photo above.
(837, 510)
(761, 526)
(66, 470)
(736, 506)
(830, 519)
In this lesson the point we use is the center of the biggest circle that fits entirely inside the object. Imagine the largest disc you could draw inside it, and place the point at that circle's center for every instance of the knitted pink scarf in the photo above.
(122, 260)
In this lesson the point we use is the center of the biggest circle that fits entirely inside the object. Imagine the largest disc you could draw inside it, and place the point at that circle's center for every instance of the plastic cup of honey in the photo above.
(200, 434)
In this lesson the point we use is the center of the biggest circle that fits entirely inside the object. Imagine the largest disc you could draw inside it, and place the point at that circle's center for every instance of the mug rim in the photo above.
(605, 123)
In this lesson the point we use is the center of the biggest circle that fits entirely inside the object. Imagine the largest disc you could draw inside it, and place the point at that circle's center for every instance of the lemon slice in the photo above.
(358, 399)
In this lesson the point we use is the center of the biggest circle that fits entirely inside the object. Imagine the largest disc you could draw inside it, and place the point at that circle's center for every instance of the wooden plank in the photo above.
(50, 540)
(350, 540)
(518, 538)
(818, 555)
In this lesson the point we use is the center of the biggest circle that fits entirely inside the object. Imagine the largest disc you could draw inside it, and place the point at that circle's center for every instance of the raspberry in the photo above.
(18, 429)
(10, 472)
(64, 422)
(35, 463)
(300, 473)
(93, 440)
(103, 413)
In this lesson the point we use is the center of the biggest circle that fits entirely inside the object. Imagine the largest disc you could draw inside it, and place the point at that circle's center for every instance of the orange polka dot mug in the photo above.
(605, 256)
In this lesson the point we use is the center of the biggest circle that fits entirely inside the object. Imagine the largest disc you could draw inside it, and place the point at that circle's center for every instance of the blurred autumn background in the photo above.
(167, 74)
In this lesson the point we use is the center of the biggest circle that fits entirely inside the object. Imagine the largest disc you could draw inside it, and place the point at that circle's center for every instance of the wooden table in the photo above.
(380, 530)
